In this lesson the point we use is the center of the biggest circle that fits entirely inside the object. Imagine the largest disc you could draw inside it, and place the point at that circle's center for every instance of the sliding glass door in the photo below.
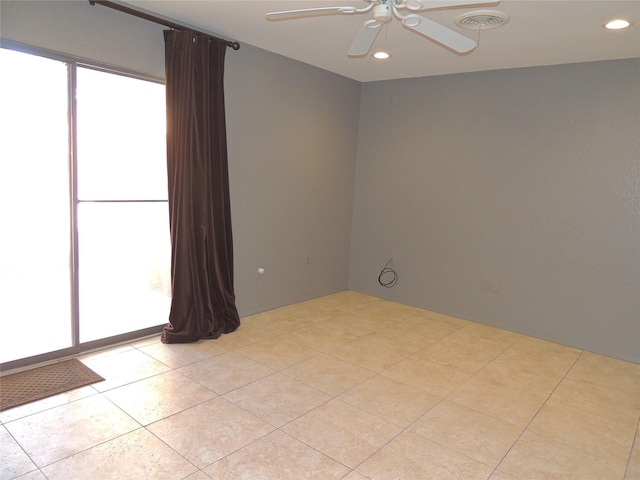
(84, 250)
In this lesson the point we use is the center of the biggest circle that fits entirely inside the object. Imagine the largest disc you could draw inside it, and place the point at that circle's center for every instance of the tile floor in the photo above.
(342, 387)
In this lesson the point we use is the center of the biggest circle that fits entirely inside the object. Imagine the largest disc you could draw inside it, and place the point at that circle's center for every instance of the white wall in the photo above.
(292, 136)
(528, 177)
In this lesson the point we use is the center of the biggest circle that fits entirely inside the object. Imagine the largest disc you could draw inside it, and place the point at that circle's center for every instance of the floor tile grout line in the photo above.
(172, 449)
(526, 428)
(22, 449)
(633, 445)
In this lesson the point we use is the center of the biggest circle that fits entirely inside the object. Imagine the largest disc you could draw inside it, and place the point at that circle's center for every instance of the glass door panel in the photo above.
(123, 258)
(35, 246)
(123, 219)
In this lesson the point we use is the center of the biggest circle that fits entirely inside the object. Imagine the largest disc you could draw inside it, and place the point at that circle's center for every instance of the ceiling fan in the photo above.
(383, 13)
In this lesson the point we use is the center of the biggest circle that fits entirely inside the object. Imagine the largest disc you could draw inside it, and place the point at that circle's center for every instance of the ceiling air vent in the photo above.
(482, 19)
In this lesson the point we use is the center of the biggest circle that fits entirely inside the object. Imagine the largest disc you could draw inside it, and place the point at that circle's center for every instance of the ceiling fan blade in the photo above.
(439, 33)
(364, 38)
(285, 14)
(417, 5)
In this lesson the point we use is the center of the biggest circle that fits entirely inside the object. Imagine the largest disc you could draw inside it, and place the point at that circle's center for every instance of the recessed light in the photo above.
(381, 55)
(617, 24)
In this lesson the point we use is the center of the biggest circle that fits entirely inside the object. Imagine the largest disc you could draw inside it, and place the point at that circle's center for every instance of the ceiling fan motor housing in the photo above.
(382, 12)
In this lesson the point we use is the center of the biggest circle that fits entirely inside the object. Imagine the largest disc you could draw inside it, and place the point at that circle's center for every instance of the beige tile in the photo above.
(343, 432)
(537, 457)
(277, 456)
(398, 337)
(154, 398)
(369, 354)
(498, 475)
(321, 336)
(136, 455)
(398, 311)
(209, 431)
(442, 317)
(277, 321)
(199, 475)
(35, 475)
(345, 301)
(552, 358)
(179, 354)
(633, 467)
(355, 476)
(534, 343)
(467, 356)
(520, 374)
(489, 334)
(427, 329)
(46, 403)
(328, 374)
(124, 367)
(470, 348)
(310, 310)
(277, 399)
(607, 373)
(379, 315)
(357, 323)
(243, 336)
(278, 352)
(13, 459)
(466, 431)
(393, 401)
(410, 456)
(511, 404)
(430, 376)
(616, 405)
(54, 434)
(320, 309)
(583, 430)
(225, 372)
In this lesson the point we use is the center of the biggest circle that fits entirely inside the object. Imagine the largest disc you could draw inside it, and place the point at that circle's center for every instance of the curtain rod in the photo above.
(161, 21)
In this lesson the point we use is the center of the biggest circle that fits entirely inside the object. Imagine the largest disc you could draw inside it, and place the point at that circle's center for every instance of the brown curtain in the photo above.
(203, 299)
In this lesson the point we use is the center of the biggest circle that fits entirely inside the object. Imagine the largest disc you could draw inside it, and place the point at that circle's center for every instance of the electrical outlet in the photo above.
(486, 284)
(307, 258)
(495, 286)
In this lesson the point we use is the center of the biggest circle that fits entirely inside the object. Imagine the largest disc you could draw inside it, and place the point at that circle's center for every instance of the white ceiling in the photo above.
(540, 32)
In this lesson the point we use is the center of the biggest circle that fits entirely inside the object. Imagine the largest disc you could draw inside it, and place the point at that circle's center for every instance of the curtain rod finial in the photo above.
(235, 45)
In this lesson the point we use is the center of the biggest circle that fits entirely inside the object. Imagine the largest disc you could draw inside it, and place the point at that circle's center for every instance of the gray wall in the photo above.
(528, 178)
(292, 133)
(292, 137)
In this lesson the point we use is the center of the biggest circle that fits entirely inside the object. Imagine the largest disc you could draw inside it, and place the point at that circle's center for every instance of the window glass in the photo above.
(121, 137)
